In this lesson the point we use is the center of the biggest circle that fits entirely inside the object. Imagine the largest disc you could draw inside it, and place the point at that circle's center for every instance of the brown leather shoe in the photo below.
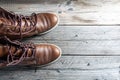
(16, 53)
(17, 26)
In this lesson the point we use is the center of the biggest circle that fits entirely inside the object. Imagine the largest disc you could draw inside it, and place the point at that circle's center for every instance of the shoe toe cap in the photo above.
(46, 21)
(56, 52)
(53, 19)
(47, 53)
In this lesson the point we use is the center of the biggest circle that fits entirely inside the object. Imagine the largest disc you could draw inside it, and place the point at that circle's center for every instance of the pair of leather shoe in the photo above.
(13, 27)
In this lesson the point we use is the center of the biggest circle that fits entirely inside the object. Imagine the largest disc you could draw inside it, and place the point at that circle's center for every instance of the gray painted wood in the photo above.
(81, 33)
(85, 63)
(21, 74)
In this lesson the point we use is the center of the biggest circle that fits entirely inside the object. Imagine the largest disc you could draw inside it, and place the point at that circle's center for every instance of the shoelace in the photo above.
(19, 18)
(11, 58)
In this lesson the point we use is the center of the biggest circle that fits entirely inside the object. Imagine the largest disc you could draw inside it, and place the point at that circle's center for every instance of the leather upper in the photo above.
(16, 26)
(13, 52)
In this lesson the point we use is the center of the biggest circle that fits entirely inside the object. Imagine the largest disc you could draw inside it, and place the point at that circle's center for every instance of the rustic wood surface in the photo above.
(88, 34)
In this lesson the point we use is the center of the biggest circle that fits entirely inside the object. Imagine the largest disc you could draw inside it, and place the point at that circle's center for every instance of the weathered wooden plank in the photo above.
(110, 74)
(71, 12)
(81, 33)
(86, 63)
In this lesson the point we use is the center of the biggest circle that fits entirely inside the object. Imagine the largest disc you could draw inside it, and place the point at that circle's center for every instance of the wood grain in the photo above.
(81, 33)
(85, 63)
(60, 75)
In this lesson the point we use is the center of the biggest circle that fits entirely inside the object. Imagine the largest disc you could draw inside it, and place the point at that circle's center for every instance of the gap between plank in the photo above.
(89, 25)
(39, 68)
(89, 55)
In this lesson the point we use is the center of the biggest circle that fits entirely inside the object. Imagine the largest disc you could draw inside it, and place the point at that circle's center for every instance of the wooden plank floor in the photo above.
(88, 34)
